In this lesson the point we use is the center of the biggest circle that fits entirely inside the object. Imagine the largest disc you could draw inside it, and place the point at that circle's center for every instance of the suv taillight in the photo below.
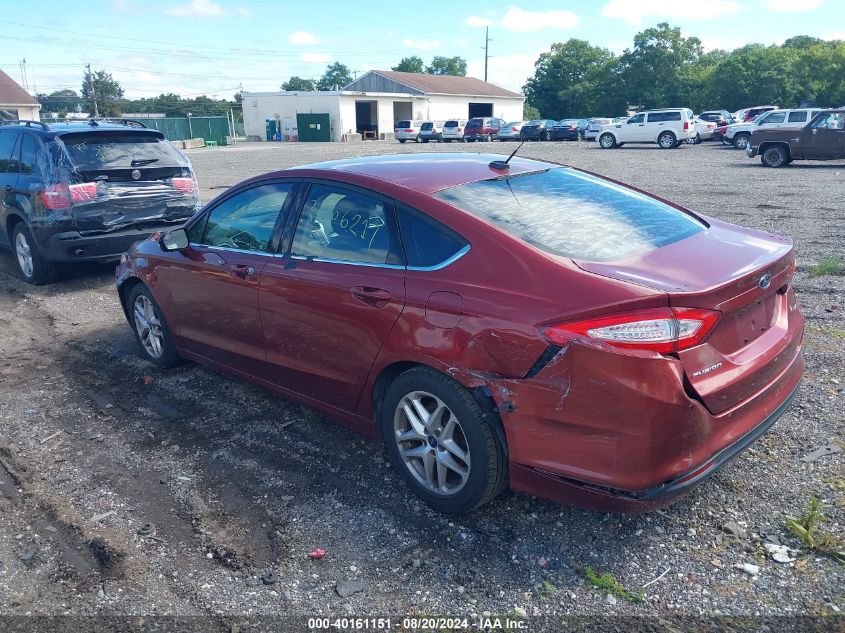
(662, 330)
(686, 125)
(185, 185)
(63, 196)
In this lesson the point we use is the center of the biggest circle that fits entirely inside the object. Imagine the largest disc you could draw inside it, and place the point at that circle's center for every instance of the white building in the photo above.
(15, 102)
(374, 102)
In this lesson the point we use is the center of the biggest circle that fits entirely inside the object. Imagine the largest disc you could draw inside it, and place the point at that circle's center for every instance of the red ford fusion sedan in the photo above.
(525, 324)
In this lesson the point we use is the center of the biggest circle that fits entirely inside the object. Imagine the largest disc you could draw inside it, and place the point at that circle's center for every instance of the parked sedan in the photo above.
(565, 130)
(703, 131)
(537, 130)
(433, 300)
(510, 131)
(594, 127)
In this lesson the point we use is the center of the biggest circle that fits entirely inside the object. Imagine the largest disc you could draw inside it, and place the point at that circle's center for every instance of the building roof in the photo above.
(12, 94)
(423, 83)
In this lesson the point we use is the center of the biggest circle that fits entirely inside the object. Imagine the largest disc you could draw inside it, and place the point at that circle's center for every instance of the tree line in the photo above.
(664, 69)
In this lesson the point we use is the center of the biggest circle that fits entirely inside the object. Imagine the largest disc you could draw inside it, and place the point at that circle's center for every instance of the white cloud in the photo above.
(634, 12)
(316, 58)
(517, 19)
(791, 6)
(421, 44)
(245, 12)
(303, 37)
(834, 36)
(507, 71)
(197, 8)
(475, 20)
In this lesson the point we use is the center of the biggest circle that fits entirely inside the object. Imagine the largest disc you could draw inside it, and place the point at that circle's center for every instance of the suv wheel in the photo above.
(32, 266)
(401, 140)
(775, 156)
(666, 140)
(151, 331)
(742, 140)
(439, 442)
(607, 141)
(489, 138)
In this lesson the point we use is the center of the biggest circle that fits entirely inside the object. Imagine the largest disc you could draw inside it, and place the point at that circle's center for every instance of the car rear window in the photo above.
(475, 123)
(426, 126)
(566, 212)
(451, 124)
(403, 124)
(93, 150)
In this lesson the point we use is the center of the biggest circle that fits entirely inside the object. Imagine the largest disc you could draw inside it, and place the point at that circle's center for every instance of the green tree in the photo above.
(456, 66)
(653, 72)
(575, 79)
(107, 91)
(412, 64)
(755, 75)
(299, 84)
(530, 113)
(337, 76)
(61, 101)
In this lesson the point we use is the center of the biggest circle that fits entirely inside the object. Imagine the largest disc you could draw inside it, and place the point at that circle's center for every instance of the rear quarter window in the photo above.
(427, 242)
(568, 213)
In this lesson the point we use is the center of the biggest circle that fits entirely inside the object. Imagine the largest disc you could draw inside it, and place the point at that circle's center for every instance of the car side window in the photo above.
(656, 117)
(244, 221)
(637, 118)
(8, 143)
(344, 225)
(830, 121)
(29, 156)
(427, 242)
(797, 117)
(774, 117)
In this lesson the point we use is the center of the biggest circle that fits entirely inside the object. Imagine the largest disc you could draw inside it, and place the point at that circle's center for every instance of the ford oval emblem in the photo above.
(765, 281)
(136, 174)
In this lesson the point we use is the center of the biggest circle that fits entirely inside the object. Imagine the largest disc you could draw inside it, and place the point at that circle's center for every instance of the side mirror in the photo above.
(174, 240)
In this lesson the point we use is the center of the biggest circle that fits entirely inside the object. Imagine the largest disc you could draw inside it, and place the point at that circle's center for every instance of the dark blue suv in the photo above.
(73, 192)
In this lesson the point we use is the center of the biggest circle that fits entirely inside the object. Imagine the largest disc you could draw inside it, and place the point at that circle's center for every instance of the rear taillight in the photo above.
(686, 125)
(459, 129)
(63, 196)
(572, 129)
(662, 330)
(185, 185)
(409, 130)
(514, 129)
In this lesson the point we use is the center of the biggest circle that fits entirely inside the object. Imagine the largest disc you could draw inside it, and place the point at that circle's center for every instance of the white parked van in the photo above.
(668, 128)
(407, 131)
(453, 130)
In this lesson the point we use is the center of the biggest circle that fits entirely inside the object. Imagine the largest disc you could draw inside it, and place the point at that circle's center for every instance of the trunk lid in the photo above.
(746, 275)
(132, 178)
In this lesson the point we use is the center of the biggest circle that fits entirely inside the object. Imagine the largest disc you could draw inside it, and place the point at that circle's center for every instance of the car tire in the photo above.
(151, 330)
(447, 140)
(775, 156)
(425, 140)
(454, 462)
(33, 267)
(489, 138)
(547, 136)
(666, 140)
(402, 140)
(696, 139)
(741, 140)
(607, 141)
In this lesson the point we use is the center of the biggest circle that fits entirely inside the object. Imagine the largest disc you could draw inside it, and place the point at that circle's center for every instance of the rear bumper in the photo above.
(70, 246)
(620, 432)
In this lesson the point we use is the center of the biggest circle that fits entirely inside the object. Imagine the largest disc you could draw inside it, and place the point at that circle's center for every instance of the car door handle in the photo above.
(377, 297)
(242, 270)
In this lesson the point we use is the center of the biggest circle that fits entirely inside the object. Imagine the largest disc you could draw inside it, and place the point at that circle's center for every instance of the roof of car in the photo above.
(58, 128)
(429, 172)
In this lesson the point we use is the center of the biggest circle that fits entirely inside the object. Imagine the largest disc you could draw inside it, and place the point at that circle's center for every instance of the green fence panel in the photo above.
(210, 128)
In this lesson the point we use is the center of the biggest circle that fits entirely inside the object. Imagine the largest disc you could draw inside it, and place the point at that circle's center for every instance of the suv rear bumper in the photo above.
(71, 246)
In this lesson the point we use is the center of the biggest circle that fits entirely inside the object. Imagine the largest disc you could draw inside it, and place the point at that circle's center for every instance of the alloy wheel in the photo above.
(148, 326)
(666, 140)
(431, 443)
(24, 254)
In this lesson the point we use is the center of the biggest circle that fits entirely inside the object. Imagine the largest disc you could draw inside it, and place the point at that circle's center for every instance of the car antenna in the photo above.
(502, 165)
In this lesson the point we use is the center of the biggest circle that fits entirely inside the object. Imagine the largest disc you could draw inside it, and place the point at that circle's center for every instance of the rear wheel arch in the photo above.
(125, 289)
(13, 218)
(480, 392)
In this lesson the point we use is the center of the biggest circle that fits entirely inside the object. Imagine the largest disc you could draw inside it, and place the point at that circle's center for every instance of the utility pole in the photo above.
(93, 93)
(486, 49)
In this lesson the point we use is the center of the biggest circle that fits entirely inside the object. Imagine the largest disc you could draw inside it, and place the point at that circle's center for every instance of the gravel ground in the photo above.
(95, 444)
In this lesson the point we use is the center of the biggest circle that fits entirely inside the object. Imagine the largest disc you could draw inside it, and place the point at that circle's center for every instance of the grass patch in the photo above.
(607, 583)
(546, 591)
(807, 530)
(828, 265)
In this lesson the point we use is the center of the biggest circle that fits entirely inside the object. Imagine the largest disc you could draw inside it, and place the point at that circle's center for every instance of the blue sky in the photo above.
(212, 46)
